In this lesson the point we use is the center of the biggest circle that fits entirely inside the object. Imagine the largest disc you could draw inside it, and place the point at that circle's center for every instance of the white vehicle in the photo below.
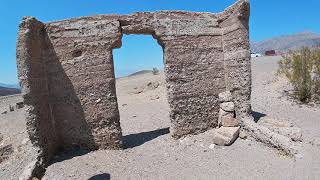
(255, 55)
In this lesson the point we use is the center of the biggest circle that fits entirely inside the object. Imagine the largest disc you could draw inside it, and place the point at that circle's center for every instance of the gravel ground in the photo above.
(151, 153)
(13, 130)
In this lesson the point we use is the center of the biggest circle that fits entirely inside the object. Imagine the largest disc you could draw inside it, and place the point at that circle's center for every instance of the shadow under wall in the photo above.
(134, 140)
(104, 176)
(72, 129)
(257, 116)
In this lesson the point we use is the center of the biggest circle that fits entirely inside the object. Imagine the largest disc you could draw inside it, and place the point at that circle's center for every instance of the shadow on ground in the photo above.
(69, 154)
(257, 116)
(104, 176)
(134, 140)
(129, 141)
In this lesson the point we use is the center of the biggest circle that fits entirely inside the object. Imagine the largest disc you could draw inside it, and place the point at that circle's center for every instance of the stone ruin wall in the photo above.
(67, 75)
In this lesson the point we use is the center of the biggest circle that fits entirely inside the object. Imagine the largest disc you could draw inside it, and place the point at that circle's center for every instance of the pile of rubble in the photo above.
(5, 150)
(285, 138)
(229, 126)
(18, 105)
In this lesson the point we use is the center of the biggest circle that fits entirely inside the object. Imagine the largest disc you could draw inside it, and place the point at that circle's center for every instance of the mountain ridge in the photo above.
(285, 43)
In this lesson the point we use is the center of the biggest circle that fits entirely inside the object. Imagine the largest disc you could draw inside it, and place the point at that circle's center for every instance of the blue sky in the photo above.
(268, 18)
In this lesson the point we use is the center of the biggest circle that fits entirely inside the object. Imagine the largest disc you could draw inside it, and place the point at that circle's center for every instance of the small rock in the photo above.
(225, 96)
(212, 146)
(138, 90)
(11, 108)
(153, 85)
(227, 106)
(134, 115)
(98, 100)
(243, 135)
(4, 112)
(228, 121)
(225, 136)
(19, 105)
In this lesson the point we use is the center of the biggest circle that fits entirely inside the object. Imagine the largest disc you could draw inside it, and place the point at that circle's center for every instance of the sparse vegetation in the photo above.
(302, 68)
(155, 71)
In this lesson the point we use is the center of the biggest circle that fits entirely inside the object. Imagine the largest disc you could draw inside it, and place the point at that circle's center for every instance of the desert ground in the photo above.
(151, 153)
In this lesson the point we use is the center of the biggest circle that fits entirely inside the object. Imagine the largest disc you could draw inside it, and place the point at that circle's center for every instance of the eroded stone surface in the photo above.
(67, 74)
(229, 122)
(227, 106)
(224, 114)
(225, 96)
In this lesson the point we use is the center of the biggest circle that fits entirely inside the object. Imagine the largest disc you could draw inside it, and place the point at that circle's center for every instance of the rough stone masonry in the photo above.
(67, 74)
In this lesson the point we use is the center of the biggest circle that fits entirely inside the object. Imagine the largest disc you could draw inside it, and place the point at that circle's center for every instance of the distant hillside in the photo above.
(286, 43)
(10, 85)
(141, 72)
(4, 91)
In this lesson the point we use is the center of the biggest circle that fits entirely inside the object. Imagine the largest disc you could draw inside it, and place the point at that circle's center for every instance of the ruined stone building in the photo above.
(67, 74)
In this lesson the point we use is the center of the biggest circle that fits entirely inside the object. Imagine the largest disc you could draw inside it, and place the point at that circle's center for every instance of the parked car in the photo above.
(255, 55)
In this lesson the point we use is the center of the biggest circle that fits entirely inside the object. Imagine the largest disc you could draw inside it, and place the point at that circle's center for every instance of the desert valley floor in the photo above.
(151, 153)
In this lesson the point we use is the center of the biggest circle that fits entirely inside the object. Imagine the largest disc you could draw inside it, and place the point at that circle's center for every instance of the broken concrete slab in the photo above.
(225, 136)
(270, 138)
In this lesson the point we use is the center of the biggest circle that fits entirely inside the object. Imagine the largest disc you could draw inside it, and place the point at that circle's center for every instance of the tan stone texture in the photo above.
(67, 74)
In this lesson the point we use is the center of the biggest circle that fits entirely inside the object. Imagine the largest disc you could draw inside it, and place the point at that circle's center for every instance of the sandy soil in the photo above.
(151, 153)
(13, 130)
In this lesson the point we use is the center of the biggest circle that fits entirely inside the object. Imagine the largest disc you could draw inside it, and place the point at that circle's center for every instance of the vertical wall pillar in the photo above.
(236, 47)
(82, 83)
(195, 76)
(33, 78)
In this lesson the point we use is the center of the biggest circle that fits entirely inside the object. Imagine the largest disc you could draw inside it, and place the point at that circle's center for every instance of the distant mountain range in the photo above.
(10, 85)
(287, 42)
(9, 89)
(4, 91)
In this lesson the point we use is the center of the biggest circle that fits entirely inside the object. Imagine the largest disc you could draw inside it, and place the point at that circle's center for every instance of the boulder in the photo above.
(225, 136)
(19, 105)
(243, 134)
(227, 106)
(228, 121)
(225, 96)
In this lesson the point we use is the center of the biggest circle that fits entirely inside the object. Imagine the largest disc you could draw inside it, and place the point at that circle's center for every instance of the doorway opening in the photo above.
(141, 90)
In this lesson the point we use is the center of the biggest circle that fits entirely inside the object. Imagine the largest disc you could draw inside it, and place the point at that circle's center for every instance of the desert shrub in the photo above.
(155, 71)
(316, 76)
(302, 68)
